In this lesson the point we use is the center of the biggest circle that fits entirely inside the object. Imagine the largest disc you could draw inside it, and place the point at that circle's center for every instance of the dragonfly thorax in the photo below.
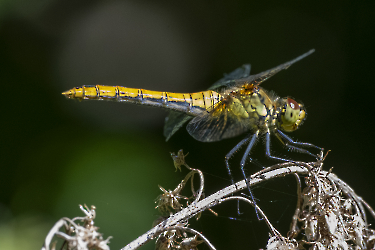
(290, 114)
(258, 107)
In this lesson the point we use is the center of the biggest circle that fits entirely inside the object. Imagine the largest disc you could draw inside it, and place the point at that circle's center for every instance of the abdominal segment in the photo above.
(191, 103)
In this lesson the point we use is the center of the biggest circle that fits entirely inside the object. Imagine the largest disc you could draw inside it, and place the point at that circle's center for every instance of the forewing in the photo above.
(173, 122)
(261, 77)
(228, 79)
(217, 124)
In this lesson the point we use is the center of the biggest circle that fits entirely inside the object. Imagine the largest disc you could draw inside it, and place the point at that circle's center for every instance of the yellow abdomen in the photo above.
(191, 103)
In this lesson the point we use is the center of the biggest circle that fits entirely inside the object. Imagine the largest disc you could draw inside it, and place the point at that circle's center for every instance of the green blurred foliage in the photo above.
(57, 153)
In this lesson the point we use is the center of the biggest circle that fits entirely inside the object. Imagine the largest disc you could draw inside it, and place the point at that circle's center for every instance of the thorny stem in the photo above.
(194, 208)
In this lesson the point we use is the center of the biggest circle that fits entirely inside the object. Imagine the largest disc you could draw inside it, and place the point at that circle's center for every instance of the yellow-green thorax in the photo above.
(265, 111)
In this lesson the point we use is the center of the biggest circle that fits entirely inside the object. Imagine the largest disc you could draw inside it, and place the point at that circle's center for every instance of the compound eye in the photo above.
(293, 104)
(292, 115)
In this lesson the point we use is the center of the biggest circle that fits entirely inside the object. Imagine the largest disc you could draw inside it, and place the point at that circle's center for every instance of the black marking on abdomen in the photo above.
(117, 91)
(97, 91)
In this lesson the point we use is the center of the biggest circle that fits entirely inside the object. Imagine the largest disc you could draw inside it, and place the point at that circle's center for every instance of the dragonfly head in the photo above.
(291, 114)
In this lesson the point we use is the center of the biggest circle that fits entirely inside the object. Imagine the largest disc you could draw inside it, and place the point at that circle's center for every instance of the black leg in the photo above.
(231, 153)
(268, 148)
(302, 144)
(300, 150)
(243, 161)
(228, 156)
(289, 140)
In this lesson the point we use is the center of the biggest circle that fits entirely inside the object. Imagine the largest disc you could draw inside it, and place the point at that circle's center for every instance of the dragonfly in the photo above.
(232, 106)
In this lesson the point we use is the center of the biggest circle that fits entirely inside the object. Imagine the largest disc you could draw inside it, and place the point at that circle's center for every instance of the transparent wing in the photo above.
(217, 124)
(261, 77)
(241, 72)
(173, 122)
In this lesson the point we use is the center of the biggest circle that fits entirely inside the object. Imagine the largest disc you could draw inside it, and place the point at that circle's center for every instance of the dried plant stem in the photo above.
(194, 208)
(195, 232)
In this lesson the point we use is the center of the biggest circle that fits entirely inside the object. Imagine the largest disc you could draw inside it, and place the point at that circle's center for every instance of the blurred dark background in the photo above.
(58, 153)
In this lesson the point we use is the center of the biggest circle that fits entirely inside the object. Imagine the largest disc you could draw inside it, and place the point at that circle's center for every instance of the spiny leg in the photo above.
(242, 164)
(268, 148)
(300, 150)
(296, 144)
(228, 156)
(303, 144)
(231, 153)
